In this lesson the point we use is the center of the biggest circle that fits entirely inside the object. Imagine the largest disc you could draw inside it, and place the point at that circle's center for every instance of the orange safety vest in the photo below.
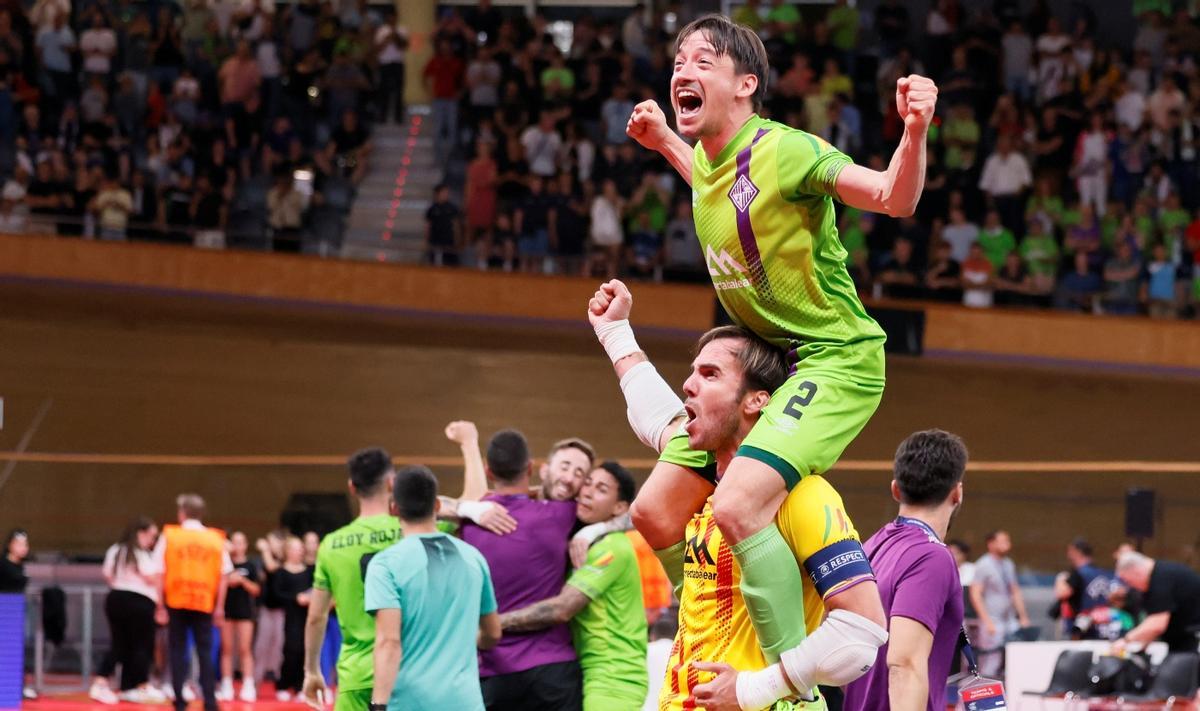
(656, 586)
(192, 567)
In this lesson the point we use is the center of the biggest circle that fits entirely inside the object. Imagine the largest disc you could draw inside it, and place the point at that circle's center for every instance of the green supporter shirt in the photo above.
(341, 566)
(843, 25)
(1040, 255)
(765, 219)
(1173, 223)
(996, 245)
(610, 633)
(964, 131)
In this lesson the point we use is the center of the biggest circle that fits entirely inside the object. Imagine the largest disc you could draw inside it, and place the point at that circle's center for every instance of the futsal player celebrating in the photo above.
(341, 565)
(728, 399)
(762, 197)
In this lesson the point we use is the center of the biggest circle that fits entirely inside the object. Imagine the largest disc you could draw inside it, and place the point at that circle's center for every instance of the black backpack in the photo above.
(1119, 675)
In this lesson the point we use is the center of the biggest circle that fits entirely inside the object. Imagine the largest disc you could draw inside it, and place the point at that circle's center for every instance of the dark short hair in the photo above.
(738, 42)
(368, 468)
(991, 536)
(415, 493)
(763, 365)
(573, 443)
(960, 544)
(928, 465)
(508, 455)
(1081, 544)
(626, 486)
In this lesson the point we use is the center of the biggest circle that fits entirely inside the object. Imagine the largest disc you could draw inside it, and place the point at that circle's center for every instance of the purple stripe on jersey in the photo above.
(758, 275)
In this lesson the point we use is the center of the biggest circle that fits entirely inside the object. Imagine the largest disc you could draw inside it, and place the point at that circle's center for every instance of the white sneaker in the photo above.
(143, 695)
(29, 693)
(249, 693)
(225, 690)
(283, 696)
(168, 692)
(188, 695)
(100, 693)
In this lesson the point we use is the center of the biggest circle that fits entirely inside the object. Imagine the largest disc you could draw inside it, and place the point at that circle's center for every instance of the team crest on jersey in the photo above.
(742, 193)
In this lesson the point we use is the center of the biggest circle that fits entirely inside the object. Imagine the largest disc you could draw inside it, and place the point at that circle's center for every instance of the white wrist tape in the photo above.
(474, 510)
(617, 339)
(757, 690)
(591, 532)
(652, 404)
(841, 650)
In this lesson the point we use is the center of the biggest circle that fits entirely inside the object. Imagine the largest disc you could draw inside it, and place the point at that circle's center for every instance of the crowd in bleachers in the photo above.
(213, 122)
(1062, 171)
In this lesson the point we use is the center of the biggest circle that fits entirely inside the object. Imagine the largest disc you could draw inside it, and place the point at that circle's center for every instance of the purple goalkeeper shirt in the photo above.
(917, 579)
(528, 565)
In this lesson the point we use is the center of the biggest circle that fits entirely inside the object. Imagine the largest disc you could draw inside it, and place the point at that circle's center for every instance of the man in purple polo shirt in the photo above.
(918, 580)
(531, 671)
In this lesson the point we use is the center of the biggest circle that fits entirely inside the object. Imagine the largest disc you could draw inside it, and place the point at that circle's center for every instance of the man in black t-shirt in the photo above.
(1171, 601)
(442, 229)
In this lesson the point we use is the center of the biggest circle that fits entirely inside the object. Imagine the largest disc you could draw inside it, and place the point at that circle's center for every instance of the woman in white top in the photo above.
(131, 573)
(607, 234)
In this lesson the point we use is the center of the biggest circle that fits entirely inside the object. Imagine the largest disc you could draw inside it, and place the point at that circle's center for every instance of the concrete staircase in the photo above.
(387, 220)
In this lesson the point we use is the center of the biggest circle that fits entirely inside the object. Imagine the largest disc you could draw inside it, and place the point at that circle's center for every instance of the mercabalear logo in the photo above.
(697, 553)
(724, 265)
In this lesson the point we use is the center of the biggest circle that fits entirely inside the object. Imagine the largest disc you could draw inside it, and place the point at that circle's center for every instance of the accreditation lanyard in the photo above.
(978, 694)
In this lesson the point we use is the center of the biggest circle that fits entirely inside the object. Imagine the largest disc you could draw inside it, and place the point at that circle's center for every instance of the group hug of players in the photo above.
(777, 597)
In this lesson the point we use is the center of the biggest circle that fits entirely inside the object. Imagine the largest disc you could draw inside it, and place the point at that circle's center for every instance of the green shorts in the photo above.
(354, 700)
(809, 422)
(609, 701)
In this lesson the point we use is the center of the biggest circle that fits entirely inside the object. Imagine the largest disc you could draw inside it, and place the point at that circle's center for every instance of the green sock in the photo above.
(672, 562)
(773, 591)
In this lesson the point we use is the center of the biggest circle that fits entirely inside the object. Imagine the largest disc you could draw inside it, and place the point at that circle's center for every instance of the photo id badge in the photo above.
(982, 695)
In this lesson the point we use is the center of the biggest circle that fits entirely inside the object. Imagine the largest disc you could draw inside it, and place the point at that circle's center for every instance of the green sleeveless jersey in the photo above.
(765, 218)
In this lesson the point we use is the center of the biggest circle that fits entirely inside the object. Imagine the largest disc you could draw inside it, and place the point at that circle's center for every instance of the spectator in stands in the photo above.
(1078, 288)
(1083, 237)
(346, 154)
(943, 279)
(112, 206)
(1122, 275)
(12, 219)
(683, 259)
(607, 234)
(237, 634)
(443, 77)
(1017, 60)
(900, 276)
(443, 229)
(1005, 177)
(645, 248)
(571, 223)
(1013, 283)
(483, 82)
(268, 638)
(528, 565)
(480, 198)
(391, 44)
(995, 239)
(285, 212)
(1171, 601)
(55, 45)
(208, 215)
(344, 83)
(977, 278)
(98, 44)
(1090, 166)
(535, 222)
(997, 598)
(542, 144)
(960, 234)
(614, 115)
(133, 579)
(1159, 291)
(240, 78)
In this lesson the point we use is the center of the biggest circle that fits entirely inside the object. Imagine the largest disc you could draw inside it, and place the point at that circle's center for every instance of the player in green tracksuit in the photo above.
(603, 601)
(762, 197)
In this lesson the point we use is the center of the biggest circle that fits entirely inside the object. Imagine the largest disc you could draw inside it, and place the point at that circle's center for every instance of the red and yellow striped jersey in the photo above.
(713, 623)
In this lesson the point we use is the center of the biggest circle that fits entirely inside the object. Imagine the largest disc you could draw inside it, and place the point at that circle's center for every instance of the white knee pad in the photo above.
(841, 650)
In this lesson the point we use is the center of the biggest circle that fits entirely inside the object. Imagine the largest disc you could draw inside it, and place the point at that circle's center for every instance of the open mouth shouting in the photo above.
(688, 101)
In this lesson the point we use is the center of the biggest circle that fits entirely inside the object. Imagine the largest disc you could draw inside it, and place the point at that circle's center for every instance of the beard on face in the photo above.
(721, 431)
